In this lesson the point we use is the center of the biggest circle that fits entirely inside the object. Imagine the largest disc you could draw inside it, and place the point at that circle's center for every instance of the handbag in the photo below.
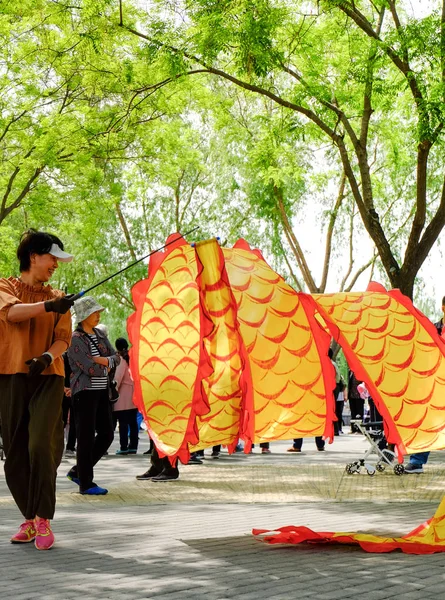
(112, 388)
(113, 393)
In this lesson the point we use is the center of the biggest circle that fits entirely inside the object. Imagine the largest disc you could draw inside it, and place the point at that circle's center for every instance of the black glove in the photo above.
(59, 305)
(38, 365)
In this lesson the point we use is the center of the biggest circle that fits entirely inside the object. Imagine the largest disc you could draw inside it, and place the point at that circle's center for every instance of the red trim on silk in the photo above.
(243, 245)
(420, 528)
(138, 292)
(412, 543)
(374, 286)
(298, 535)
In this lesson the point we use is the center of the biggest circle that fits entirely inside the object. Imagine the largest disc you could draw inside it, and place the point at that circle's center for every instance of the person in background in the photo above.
(216, 450)
(67, 412)
(104, 329)
(161, 469)
(356, 402)
(339, 405)
(35, 330)
(150, 449)
(439, 324)
(374, 414)
(195, 457)
(124, 411)
(264, 446)
(240, 446)
(338, 387)
(199, 454)
(91, 356)
(298, 443)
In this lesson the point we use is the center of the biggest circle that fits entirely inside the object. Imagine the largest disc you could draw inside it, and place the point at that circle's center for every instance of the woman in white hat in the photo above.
(91, 358)
(35, 330)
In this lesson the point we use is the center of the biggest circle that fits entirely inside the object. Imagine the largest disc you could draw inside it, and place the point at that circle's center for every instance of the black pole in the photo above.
(83, 292)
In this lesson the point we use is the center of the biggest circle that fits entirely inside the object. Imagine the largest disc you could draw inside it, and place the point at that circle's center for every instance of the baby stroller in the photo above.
(373, 432)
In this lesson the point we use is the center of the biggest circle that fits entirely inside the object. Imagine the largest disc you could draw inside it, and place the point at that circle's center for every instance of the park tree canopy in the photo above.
(363, 76)
(245, 117)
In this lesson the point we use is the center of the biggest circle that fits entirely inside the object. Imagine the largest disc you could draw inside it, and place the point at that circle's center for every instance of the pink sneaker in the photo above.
(44, 537)
(26, 533)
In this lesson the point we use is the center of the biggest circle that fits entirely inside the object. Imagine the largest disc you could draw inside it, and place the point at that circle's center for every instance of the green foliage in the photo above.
(106, 140)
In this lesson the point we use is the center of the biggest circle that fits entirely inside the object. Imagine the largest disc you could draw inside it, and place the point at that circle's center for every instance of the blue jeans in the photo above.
(419, 459)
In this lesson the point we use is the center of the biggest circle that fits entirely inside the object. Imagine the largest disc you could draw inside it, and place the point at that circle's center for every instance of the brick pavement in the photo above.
(191, 539)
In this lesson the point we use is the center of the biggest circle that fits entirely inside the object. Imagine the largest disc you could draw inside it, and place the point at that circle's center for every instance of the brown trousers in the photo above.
(32, 431)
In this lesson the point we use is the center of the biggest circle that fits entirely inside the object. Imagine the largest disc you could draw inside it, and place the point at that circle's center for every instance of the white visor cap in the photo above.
(56, 251)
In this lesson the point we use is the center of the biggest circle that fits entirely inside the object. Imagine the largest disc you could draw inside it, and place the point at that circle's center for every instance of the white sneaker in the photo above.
(70, 453)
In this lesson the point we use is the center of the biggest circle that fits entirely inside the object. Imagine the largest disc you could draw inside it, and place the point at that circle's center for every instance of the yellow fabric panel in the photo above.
(222, 387)
(401, 359)
(169, 348)
(425, 539)
(428, 538)
(289, 394)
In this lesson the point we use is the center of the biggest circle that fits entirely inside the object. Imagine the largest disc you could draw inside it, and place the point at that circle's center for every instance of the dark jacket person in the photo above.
(91, 357)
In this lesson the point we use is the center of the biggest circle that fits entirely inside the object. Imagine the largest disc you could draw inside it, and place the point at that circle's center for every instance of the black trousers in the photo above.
(338, 425)
(67, 409)
(32, 431)
(127, 419)
(200, 453)
(162, 465)
(319, 441)
(374, 414)
(94, 426)
(357, 407)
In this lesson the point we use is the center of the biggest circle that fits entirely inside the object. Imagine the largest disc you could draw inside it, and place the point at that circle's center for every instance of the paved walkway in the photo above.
(190, 539)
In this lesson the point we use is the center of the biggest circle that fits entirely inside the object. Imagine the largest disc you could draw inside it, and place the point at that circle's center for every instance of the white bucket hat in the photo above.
(86, 306)
(57, 251)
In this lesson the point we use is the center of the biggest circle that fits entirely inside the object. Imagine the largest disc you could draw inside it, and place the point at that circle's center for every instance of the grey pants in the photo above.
(32, 431)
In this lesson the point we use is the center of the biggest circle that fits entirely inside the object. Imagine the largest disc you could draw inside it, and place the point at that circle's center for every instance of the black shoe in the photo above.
(165, 477)
(147, 475)
(412, 468)
(194, 460)
(215, 455)
(147, 452)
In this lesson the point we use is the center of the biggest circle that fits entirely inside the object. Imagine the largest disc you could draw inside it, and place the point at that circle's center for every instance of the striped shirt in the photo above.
(97, 383)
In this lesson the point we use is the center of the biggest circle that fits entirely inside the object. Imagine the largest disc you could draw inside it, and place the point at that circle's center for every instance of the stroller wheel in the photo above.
(352, 468)
(370, 471)
(399, 469)
(380, 468)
